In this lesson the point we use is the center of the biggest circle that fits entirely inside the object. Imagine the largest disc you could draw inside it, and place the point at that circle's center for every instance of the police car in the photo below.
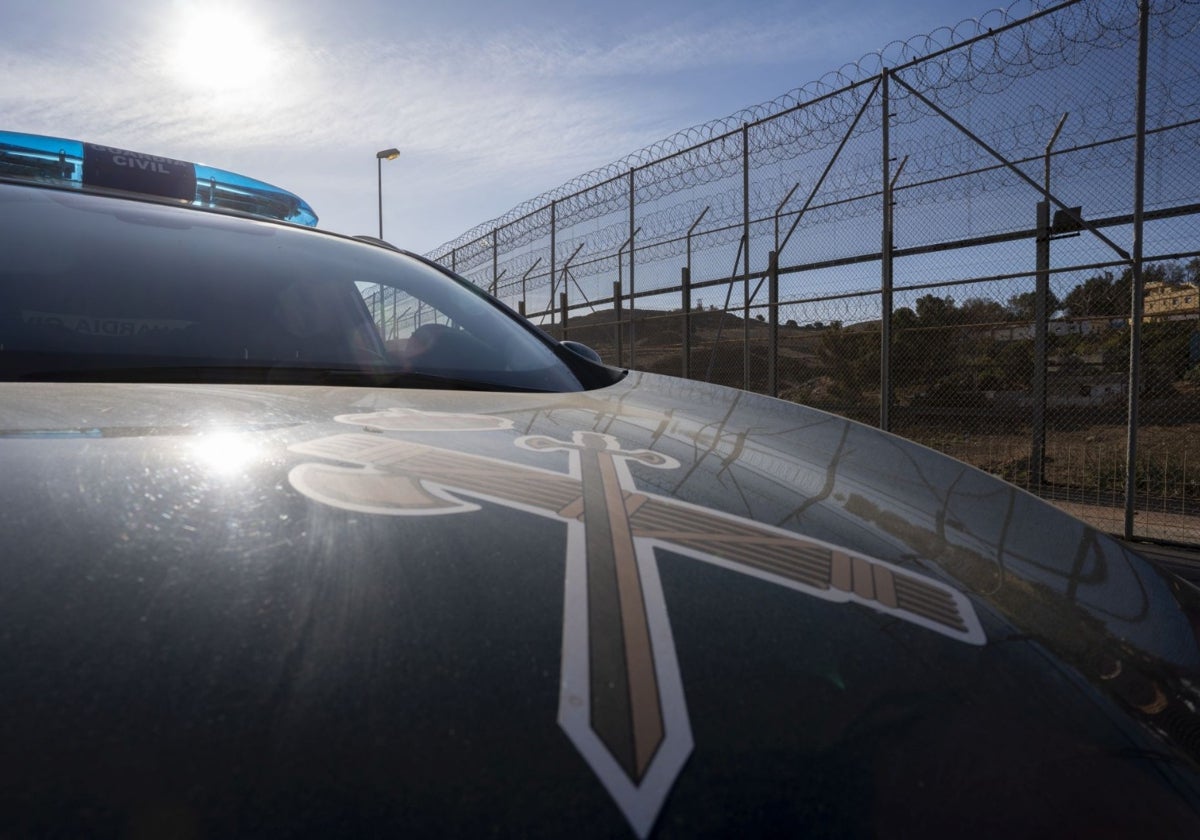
(303, 535)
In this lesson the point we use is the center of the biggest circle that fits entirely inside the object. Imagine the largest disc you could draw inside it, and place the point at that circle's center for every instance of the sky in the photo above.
(490, 103)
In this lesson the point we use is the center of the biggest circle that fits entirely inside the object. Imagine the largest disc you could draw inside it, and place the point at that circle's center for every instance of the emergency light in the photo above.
(57, 160)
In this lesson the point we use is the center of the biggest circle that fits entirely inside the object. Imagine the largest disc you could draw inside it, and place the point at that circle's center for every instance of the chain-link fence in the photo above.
(988, 242)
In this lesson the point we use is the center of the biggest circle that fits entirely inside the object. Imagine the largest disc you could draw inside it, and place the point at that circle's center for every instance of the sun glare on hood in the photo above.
(225, 454)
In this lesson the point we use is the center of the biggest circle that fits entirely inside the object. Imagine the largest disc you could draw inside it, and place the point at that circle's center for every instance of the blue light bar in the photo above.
(56, 160)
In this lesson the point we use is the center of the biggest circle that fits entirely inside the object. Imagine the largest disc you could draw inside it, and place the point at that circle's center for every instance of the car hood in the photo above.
(661, 605)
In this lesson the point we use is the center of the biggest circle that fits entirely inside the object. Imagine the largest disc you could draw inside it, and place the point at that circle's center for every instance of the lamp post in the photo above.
(380, 157)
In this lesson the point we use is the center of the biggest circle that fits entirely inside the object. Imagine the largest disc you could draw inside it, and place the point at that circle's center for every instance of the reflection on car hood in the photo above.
(663, 605)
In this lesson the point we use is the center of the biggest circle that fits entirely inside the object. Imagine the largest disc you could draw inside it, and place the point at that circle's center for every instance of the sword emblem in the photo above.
(621, 699)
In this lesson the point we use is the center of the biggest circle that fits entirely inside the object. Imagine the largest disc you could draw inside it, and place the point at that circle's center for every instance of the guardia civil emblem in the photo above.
(621, 699)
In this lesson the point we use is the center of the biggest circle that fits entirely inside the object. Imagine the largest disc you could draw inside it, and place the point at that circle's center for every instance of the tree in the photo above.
(1014, 360)
(1022, 307)
(1192, 270)
(1165, 356)
(1098, 296)
(903, 319)
(851, 361)
(981, 311)
(1171, 272)
(1103, 295)
(926, 343)
(934, 311)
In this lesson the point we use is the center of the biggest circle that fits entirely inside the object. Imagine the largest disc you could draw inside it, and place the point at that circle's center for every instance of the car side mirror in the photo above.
(583, 350)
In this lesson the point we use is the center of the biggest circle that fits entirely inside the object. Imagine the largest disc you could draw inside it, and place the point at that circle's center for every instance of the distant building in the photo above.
(1024, 332)
(1171, 301)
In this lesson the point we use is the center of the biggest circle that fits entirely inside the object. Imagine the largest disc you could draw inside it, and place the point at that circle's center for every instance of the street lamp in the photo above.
(380, 157)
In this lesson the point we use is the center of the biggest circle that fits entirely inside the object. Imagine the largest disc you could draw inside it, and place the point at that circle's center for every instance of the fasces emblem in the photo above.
(621, 699)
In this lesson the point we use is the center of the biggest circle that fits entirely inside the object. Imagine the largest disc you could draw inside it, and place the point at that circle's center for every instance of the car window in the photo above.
(99, 283)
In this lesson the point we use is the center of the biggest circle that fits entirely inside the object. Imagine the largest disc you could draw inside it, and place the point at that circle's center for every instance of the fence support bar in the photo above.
(524, 277)
(1077, 218)
(829, 166)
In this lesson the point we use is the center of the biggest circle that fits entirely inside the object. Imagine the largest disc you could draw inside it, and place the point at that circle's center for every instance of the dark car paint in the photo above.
(194, 647)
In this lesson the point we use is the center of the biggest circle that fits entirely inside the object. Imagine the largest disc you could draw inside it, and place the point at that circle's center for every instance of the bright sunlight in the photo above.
(221, 48)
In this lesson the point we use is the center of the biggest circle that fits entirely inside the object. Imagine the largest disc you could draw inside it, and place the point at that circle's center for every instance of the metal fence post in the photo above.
(617, 319)
(553, 255)
(628, 243)
(746, 256)
(617, 316)
(885, 281)
(632, 301)
(1136, 305)
(1041, 323)
(685, 284)
(687, 297)
(773, 324)
(1037, 457)
(888, 254)
(562, 302)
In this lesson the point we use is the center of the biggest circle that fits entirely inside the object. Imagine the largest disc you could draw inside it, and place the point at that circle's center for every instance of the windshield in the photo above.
(106, 288)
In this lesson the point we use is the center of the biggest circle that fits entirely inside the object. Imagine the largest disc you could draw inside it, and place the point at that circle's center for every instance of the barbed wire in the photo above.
(693, 148)
(851, 194)
(977, 60)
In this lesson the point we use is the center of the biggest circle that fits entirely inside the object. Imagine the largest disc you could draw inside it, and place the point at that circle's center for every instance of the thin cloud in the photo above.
(483, 101)
(556, 55)
(505, 111)
(317, 92)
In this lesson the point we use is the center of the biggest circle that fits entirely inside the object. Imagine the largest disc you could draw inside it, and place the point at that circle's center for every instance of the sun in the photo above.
(220, 48)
